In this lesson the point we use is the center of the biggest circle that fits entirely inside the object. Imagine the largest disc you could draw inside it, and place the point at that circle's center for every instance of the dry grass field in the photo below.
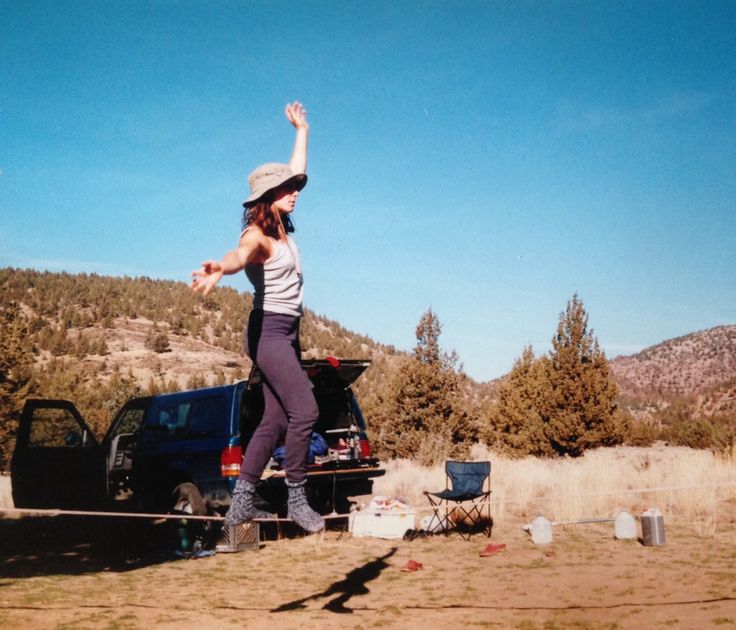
(597, 485)
(63, 572)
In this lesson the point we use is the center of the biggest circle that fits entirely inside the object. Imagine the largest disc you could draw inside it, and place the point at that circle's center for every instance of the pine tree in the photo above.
(517, 424)
(421, 416)
(580, 409)
(157, 340)
(16, 373)
(118, 391)
(427, 350)
(563, 403)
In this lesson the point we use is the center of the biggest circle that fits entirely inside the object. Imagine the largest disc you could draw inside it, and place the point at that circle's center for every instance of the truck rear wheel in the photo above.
(189, 535)
(188, 500)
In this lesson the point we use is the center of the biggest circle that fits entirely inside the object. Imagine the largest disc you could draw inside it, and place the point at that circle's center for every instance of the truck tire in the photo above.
(186, 499)
(188, 535)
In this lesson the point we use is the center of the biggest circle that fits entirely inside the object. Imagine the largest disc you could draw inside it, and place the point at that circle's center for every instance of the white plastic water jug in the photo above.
(541, 531)
(624, 526)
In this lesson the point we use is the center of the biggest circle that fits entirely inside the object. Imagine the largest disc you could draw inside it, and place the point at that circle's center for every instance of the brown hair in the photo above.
(262, 215)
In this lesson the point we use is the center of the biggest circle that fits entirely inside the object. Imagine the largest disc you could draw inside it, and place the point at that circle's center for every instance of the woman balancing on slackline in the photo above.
(271, 261)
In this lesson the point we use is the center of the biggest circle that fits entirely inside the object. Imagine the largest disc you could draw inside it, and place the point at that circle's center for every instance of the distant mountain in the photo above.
(699, 367)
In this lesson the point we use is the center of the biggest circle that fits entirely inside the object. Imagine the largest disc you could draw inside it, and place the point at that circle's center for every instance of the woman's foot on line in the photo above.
(242, 508)
(299, 510)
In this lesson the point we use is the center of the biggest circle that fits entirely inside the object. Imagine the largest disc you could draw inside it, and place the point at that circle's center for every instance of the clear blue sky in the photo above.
(486, 159)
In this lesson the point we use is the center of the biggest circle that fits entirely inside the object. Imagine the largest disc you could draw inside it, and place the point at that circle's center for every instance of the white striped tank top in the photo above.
(278, 283)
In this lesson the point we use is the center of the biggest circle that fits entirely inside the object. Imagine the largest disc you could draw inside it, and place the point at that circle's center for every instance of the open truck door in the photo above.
(57, 462)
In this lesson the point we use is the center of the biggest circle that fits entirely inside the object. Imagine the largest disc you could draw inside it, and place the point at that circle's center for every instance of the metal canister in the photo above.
(652, 527)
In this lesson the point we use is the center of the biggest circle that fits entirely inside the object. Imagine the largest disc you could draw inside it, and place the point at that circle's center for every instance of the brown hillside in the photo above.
(187, 357)
(700, 364)
(155, 329)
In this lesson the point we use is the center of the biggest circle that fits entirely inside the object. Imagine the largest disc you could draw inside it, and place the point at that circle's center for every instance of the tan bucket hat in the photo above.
(269, 176)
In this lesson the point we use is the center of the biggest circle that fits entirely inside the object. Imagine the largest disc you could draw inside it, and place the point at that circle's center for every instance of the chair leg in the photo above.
(473, 516)
(441, 520)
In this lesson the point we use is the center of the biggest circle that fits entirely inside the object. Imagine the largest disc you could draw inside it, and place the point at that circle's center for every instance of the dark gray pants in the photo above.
(290, 409)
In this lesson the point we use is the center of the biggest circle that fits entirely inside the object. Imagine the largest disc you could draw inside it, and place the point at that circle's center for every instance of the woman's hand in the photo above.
(297, 115)
(205, 279)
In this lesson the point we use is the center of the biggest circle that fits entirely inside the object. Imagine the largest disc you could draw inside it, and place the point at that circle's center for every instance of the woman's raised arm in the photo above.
(297, 116)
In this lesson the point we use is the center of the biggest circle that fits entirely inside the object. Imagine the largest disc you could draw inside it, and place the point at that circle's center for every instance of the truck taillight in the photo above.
(230, 460)
(365, 448)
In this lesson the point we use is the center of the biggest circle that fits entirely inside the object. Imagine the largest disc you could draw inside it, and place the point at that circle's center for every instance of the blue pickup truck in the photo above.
(182, 451)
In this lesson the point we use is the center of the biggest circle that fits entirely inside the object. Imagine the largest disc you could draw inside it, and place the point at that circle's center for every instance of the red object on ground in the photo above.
(335, 363)
(412, 565)
(492, 548)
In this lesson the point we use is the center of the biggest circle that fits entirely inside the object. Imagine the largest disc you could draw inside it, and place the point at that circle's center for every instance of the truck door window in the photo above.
(54, 428)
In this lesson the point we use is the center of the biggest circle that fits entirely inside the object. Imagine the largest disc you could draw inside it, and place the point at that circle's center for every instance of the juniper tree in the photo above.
(517, 420)
(580, 409)
(157, 340)
(421, 415)
(16, 373)
(563, 403)
(427, 349)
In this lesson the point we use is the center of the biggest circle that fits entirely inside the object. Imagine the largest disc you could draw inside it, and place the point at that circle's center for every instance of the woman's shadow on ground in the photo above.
(353, 584)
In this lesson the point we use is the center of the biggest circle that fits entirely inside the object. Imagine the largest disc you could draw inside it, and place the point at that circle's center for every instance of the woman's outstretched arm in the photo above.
(210, 273)
(297, 116)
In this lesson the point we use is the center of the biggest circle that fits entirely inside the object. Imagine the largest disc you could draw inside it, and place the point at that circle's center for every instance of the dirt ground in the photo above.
(65, 572)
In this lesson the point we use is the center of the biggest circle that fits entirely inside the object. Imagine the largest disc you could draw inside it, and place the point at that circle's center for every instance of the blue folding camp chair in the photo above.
(465, 482)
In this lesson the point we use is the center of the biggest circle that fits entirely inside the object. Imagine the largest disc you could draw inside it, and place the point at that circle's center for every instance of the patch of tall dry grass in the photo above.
(597, 485)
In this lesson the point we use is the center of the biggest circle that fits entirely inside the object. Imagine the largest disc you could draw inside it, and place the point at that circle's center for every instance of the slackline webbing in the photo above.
(60, 512)
(178, 517)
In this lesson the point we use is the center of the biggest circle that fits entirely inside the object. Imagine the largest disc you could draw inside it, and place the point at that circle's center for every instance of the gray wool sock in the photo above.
(299, 510)
(242, 508)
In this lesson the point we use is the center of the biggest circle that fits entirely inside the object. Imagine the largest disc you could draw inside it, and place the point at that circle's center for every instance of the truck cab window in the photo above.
(52, 428)
(209, 416)
(169, 417)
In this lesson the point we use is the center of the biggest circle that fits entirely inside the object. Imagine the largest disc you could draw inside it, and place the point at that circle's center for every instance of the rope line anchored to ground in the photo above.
(178, 517)
(196, 517)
